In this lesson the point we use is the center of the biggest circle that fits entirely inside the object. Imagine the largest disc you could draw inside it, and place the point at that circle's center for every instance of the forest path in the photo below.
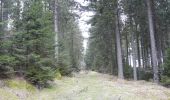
(95, 86)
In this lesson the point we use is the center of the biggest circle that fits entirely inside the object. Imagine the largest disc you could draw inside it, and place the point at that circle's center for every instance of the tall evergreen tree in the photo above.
(152, 38)
(118, 43)
(34, 55)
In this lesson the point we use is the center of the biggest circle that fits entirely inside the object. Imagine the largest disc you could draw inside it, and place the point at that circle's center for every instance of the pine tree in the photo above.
(152, 38)
(34, 43)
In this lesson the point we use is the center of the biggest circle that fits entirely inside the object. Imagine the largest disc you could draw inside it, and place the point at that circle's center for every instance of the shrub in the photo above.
(6, 65)
(145, 74)
(40, 71)
(165, 78)
(40, 76)
(128, 71)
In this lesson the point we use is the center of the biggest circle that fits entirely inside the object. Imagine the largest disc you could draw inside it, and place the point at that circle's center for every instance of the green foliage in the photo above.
(40, 70)
(69, 39)
(101, 47)
(6, 65)
(28, 48)
(64, 63)
(145, 74)
(165, 79)
(34, 43)
(40, 75)
(167, 64)
(128, 72)
(6, 60)
(6, 45)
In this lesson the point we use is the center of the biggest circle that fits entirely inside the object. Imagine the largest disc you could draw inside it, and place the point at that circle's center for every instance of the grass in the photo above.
(7, 95)
(20, 84)
(17, 89)
(90, 86)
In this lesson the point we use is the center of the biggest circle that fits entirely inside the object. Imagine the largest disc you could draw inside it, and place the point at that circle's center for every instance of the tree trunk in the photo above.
(118, 46)
(1, 19)
(152, 39)
(127, 50)
(138, 50)
(56, 28)
(134, 55)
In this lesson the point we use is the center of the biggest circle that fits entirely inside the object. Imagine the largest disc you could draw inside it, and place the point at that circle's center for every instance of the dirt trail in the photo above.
(95, 86)
(86, 86)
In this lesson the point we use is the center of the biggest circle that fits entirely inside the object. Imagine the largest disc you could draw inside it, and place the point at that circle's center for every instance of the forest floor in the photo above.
(89, 86)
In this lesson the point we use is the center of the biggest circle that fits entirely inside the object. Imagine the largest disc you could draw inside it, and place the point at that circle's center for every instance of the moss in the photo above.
(58, 75)
(20, 84)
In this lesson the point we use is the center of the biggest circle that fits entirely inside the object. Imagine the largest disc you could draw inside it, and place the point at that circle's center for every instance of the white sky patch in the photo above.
(84, 18)
(123, 18)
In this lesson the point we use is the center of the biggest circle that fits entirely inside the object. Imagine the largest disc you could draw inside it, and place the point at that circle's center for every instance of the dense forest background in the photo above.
(130, 38)
(40, 39)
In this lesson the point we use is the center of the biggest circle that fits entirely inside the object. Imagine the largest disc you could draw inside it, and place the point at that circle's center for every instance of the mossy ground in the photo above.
(87, 86)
